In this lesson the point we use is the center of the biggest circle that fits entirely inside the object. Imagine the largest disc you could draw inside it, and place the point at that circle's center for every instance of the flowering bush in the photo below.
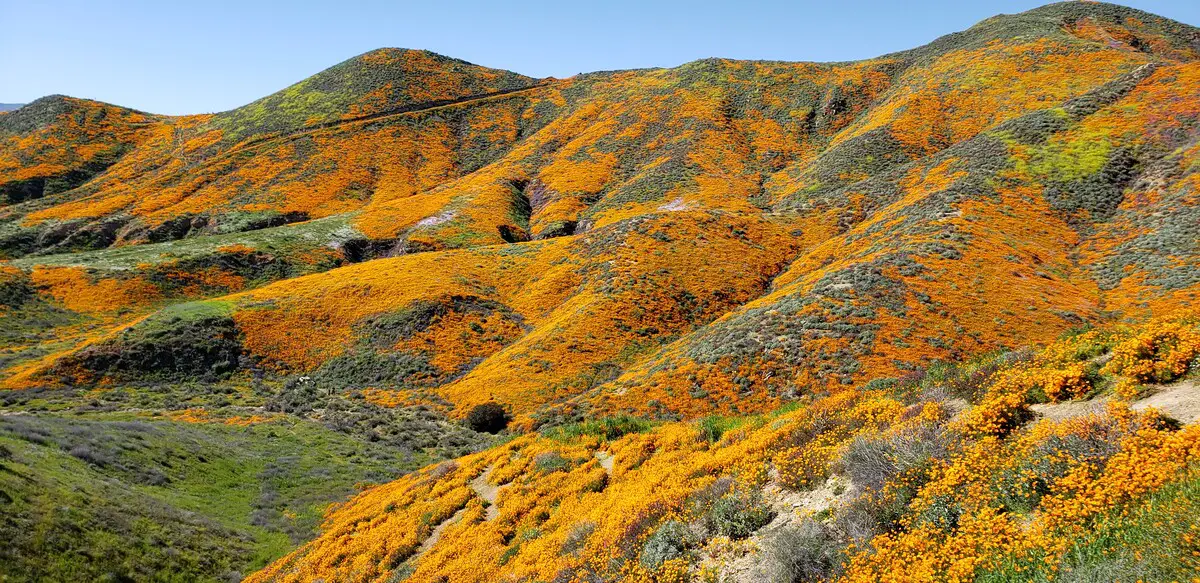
(1162, 353)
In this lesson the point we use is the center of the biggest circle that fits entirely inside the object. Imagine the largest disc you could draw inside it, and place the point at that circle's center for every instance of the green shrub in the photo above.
(669, 541)
(608, 428)
(871, 462)
(550, 462)
(488, 417)
(1152, 540)
(805, 552)
(1022, 486)
(298, 395)
(713, 427)
(365, 367)
(943, 512)
(16, 290)
(739, 513)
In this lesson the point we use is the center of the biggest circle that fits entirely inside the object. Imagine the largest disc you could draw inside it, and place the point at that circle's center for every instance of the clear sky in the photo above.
(178, 56)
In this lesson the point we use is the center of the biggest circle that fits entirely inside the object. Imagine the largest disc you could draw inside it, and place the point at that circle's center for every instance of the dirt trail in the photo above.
(1070, 409)
(742, 560)
(395, 112)
(436, 534)
(606, 461)
(487, 491)
(1179, 401)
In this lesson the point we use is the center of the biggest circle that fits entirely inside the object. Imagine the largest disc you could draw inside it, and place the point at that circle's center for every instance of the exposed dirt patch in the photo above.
(1070, 409)
(436, 219)
(436, 534)
(675, 205)
(485, 490)
(606, 461)
(743, 561)
(956, 407)
(488, 491)
(1179, 401)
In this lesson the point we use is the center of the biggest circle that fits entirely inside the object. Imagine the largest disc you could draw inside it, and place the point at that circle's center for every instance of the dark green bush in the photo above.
(15, 291)
(488, 417)
(194, 341)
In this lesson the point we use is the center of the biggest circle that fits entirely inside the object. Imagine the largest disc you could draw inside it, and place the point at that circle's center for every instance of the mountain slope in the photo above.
(962, 234)
(252, 167)
(374, 83)
(57, 143)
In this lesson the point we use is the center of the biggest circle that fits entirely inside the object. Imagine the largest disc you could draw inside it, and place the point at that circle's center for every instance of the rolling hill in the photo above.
(693, 295)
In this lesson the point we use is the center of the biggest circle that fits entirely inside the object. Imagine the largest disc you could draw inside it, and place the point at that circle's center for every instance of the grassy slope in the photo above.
(300, 237)
(131, 497)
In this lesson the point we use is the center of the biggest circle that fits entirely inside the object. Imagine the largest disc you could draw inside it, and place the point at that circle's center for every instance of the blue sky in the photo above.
(179, 57)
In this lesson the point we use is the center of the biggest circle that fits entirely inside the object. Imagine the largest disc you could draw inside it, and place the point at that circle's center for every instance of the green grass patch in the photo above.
(607, 428)
(121, 498)
(714, 426)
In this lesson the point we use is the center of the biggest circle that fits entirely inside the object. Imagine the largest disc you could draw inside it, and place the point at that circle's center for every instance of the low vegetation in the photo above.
(130, 497)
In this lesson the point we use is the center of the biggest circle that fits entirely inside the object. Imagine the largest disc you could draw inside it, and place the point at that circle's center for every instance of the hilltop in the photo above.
(373, 258)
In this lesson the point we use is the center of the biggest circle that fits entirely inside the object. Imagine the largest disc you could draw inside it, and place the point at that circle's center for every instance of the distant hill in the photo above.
(406, 253)
(11, 106)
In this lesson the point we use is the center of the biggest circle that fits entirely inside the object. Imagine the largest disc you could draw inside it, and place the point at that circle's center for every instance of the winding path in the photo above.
(487, 491)
(1179, 401)
(606, 461)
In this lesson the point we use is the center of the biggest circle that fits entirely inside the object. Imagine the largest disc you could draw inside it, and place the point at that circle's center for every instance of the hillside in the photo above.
(893, 482)
(811, 258)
